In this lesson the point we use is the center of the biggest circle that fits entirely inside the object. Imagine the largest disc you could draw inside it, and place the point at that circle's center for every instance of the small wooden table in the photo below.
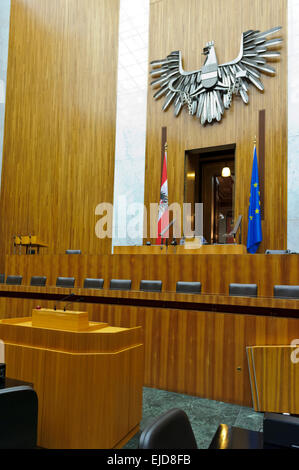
(29, 241)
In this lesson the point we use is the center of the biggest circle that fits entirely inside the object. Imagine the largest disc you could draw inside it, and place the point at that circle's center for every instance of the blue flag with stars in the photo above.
(254, 235)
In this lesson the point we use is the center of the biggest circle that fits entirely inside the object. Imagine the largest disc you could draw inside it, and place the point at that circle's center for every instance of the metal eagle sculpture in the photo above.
(209, 91)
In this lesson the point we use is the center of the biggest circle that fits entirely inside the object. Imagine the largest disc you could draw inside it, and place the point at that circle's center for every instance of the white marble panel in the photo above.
(130, 120)
(4, 35)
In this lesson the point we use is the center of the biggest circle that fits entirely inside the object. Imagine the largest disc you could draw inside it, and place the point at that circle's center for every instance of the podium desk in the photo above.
(190, 248)
(88, 382)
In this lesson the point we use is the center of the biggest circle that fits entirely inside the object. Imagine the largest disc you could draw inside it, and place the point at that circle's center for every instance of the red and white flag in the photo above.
(163, 219)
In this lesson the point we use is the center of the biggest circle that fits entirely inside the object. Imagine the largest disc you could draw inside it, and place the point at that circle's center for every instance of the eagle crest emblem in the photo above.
(207, 92)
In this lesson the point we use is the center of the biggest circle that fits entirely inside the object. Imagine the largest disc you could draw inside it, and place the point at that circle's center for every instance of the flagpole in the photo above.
(165, 153)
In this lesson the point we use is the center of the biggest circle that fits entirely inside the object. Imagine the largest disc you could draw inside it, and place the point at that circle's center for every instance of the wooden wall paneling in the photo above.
(58, 157)
(187, 25)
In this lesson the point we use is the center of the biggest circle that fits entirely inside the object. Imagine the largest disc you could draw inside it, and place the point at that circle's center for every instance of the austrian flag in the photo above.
(163, 219)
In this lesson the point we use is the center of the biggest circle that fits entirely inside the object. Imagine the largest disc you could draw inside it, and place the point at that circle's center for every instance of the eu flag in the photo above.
(254, 235)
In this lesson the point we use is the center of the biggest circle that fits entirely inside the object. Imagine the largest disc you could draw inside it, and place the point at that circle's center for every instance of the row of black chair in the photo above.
(241, 290)
(250, 290)
(115, 284)
(89, 283)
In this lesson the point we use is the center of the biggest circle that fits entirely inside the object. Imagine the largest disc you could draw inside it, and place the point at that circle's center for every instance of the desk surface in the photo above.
(13, 384)
(230, 437)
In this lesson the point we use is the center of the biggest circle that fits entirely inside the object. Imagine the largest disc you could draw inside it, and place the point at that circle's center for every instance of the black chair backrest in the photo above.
(286, 292)
(171, 430)
(19, 412)
(151, 286)
(277, 252)
(14, 280)
(65, 282)
(120, 284)
(38, 281)
(2, 278)
(73, 252)
(243, 290)
(188, 287)
(90, 283)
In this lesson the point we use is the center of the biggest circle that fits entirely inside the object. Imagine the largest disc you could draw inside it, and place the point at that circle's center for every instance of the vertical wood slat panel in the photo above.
(58, 158)
(187, 25)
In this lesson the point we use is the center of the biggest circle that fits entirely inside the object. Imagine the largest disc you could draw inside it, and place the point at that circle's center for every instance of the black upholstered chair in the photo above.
(171, 430)
(90, 283)
(2, 278)
(18, 412)
(243, 290)
(286, 292)
(151, 286)
(38, 281)
(73, 252)
(65, 282)
(277, 252)
(14, 280)
(120, 284)
(188, 287)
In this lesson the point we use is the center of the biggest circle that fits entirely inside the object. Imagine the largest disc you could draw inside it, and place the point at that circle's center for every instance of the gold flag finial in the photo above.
(166, 146)
(254, 140)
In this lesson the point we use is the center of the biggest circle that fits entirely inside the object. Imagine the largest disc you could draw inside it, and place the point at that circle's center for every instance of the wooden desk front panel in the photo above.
(85, 401)
(189, 351)
(215, 272)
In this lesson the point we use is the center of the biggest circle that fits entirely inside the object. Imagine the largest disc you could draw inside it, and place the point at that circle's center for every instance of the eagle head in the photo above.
(207, 48)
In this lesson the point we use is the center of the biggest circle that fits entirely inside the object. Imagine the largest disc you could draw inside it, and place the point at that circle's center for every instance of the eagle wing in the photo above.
(252, 60)
(174, 83)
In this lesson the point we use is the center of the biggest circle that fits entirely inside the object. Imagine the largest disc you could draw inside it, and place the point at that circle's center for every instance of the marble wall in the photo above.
(4, 34)
(293, 126)
(131, 123)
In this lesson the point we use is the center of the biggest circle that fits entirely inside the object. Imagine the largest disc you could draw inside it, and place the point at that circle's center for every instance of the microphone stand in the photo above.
(164, 231)
(67, 297)
(70, 303)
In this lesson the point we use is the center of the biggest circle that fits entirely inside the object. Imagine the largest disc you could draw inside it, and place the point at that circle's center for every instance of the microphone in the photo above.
(69, 303)
(67, 297)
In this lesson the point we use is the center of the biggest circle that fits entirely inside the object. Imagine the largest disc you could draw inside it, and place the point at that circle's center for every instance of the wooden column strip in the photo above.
(261, 158)
(163, 142)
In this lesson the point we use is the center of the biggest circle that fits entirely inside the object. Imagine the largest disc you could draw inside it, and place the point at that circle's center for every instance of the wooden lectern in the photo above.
(88, 377)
